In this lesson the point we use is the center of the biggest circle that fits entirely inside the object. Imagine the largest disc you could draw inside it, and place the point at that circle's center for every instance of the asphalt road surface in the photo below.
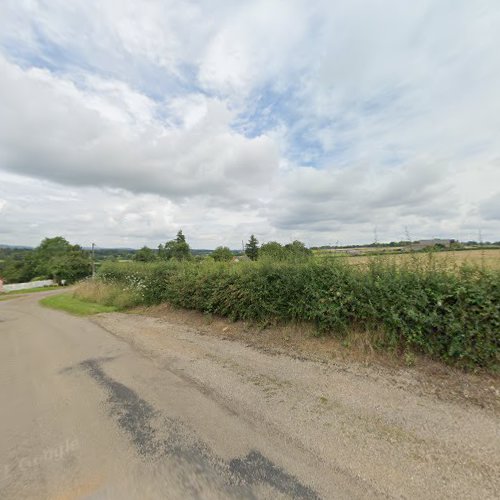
(133, 409)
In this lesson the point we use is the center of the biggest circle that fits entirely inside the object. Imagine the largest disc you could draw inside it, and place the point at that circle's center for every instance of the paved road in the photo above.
(85, 415)
(128, 406)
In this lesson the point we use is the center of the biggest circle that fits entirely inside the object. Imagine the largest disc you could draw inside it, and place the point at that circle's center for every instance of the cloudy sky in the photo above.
(336, 121)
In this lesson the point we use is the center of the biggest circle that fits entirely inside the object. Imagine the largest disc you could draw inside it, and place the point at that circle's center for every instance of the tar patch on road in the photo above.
(255, 468)
(141, 422)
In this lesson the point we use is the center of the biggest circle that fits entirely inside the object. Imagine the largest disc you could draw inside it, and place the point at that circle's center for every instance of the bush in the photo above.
(453, 316)
(222, 254)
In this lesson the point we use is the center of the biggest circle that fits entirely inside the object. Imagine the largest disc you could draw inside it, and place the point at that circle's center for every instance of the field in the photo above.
(489, 259)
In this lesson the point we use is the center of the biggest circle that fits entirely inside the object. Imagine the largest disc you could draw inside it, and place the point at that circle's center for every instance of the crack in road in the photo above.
(137, 418)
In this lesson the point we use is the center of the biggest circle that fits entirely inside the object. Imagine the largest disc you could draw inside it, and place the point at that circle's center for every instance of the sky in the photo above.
(332, 122)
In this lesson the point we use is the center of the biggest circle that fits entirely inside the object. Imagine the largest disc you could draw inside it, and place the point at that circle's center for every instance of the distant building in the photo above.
(420, 245)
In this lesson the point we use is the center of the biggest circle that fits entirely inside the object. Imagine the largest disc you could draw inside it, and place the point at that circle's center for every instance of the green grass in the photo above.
(75, 306)
(30, 290)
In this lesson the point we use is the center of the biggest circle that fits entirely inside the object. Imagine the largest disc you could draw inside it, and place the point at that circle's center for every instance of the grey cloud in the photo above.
(347, 196)
(490, 208)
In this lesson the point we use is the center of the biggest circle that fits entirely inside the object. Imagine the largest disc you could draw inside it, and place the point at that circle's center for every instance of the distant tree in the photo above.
(54, 258)
(161, 251)
(275, 251)
(62, 261)
(50, 247)
(221, 254)
(177, 249)
(272, 250)
(252, 248)
(297, 249)
(456, 245)
(18, 267)
(48, 252)
(145, 254)
(180, 238)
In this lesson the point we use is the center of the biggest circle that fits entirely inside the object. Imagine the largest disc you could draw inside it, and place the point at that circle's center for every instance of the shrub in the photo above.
(222, 254)
(453, 316)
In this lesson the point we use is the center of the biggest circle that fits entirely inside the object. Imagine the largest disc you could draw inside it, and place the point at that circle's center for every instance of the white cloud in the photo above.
(290, 119)
(259, 44)
(107, 135)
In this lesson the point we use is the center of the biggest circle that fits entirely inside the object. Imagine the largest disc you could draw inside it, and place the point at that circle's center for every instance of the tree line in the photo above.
(179, 249)
(55, 258)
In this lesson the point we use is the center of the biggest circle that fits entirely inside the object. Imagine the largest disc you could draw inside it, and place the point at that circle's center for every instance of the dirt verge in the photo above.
(356, 352)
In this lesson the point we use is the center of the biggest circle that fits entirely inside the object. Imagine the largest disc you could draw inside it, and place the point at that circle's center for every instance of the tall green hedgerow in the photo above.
(454, 316)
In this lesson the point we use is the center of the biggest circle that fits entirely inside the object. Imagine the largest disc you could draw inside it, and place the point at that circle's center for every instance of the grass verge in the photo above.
(73, 305)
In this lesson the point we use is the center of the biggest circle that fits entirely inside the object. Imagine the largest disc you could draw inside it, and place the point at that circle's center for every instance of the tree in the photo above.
(180, 238)
(161, 251)
(272, 250)
(298, 250)
(46, 254)
(252, 248)
(56, 258)
(73, 266)
(18, 267)
(177, 249)
(275, 251)
(222, 254)
(145, 254)
(51, 247)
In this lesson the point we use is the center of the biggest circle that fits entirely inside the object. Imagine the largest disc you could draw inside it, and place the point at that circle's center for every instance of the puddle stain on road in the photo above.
(138, 418)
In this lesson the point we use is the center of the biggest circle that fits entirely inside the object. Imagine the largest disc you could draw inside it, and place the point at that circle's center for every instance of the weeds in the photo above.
(108, 294)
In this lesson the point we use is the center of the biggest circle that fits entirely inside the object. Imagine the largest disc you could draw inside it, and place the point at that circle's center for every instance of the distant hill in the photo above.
(16, 247)
(112, 249)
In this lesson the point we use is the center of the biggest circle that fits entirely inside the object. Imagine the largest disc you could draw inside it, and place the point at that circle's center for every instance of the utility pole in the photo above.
(93, 261)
